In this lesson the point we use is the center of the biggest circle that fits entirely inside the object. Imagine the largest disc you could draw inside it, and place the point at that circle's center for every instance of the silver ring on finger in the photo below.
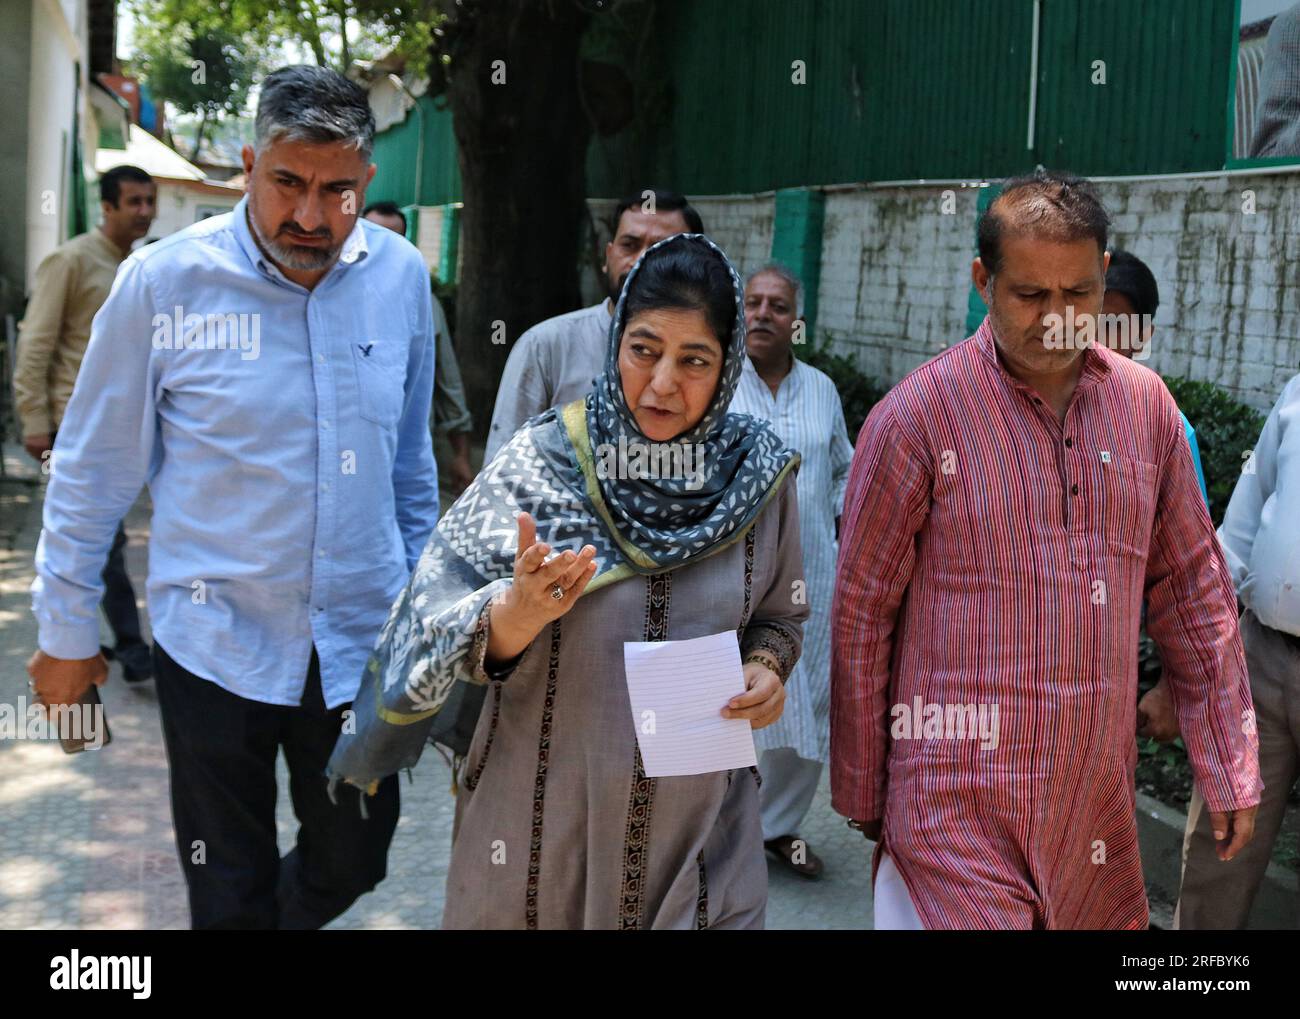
(557, 592)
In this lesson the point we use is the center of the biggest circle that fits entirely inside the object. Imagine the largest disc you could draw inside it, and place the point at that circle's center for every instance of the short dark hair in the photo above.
(1128, 275)
(385, 209)
(1055, 204)
(686, 274)
(665, 201)
(110, 185)
(312, 104)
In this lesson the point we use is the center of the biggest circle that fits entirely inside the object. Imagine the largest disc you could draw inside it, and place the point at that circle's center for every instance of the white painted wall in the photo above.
(741, 226)
(432, 222)
(896, 275)
(180, 206)
(1229, 280)
(58, 41)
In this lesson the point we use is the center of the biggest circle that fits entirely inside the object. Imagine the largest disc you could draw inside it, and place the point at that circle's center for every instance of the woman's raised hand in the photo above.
(542, 591)
(538, 579)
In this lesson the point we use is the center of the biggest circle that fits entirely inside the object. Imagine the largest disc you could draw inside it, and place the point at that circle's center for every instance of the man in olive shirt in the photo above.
(71, 284)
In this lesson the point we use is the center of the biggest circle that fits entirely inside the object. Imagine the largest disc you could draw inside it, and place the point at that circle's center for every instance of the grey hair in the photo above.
(313, 104)
(785, 275)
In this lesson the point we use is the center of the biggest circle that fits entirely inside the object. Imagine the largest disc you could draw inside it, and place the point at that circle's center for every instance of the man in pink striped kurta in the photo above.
(1010, 506)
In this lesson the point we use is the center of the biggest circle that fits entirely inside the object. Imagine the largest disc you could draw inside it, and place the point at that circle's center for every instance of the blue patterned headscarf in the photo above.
(662, 522)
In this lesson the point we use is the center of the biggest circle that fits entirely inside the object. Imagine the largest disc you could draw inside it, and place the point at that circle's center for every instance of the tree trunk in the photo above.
(198, 135)
(345, 57)
(522, 147)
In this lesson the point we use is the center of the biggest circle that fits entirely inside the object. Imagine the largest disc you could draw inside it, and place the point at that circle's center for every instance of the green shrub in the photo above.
(1226, 430)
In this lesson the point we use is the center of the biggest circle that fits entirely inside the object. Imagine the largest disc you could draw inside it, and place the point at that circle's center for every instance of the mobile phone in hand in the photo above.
(82, 726)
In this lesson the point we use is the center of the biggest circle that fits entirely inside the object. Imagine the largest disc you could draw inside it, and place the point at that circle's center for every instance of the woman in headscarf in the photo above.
(532, 583)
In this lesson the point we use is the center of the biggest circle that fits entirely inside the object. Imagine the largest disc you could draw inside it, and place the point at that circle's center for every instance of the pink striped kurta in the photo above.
(993, 557)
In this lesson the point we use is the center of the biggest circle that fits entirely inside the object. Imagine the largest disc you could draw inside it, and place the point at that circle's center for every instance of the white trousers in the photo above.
(892, 901)
(789, 785)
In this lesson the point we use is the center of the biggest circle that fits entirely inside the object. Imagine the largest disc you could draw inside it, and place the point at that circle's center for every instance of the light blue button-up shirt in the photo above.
(284, 437)
(1261, 529)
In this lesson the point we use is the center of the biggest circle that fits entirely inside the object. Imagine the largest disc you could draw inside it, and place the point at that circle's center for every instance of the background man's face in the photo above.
(1040, 277)
(635, 232)
(393, 223)
(769, 317)
(137, 205)
(304, 199)
(1139, 334)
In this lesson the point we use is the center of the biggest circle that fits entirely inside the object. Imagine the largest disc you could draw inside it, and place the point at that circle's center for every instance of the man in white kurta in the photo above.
(554, 362)
(802, 405)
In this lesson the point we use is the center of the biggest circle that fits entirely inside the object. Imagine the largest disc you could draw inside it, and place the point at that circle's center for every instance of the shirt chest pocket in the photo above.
(1128, 504)
(381, 380)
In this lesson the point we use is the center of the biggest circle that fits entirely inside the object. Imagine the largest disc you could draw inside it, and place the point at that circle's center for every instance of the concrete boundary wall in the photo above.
(895, 269)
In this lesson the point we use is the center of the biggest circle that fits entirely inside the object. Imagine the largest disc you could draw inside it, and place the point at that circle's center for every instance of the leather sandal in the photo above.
(786, 847)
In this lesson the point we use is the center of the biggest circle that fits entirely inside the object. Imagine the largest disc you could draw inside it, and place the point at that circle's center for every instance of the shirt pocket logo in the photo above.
(381, 379)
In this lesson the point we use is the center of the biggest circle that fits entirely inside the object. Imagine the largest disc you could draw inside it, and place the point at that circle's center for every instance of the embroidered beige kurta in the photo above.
(557, 825)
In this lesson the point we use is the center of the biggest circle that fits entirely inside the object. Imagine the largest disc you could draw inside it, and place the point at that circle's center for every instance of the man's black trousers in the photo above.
(221, 751)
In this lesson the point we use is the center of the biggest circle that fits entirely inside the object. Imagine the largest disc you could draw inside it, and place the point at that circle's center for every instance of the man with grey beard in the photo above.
(268, 374)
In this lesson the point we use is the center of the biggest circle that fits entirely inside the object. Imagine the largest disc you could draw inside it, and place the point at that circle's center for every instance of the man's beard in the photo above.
(294, 256)
(615, 289)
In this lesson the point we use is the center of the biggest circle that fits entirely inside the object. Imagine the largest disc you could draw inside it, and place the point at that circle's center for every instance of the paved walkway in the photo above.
(86, 839)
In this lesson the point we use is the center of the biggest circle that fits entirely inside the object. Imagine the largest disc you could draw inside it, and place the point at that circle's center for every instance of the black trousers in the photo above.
(119, 605)
(221, 750)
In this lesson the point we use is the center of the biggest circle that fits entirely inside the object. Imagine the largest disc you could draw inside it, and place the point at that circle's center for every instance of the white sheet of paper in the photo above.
(678, 690)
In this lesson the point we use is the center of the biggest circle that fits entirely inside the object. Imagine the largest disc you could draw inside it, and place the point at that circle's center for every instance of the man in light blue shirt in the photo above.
(268, 373)
(1260, 536)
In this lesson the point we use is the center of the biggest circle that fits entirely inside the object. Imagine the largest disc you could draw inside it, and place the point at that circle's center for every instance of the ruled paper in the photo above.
(678, 689)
